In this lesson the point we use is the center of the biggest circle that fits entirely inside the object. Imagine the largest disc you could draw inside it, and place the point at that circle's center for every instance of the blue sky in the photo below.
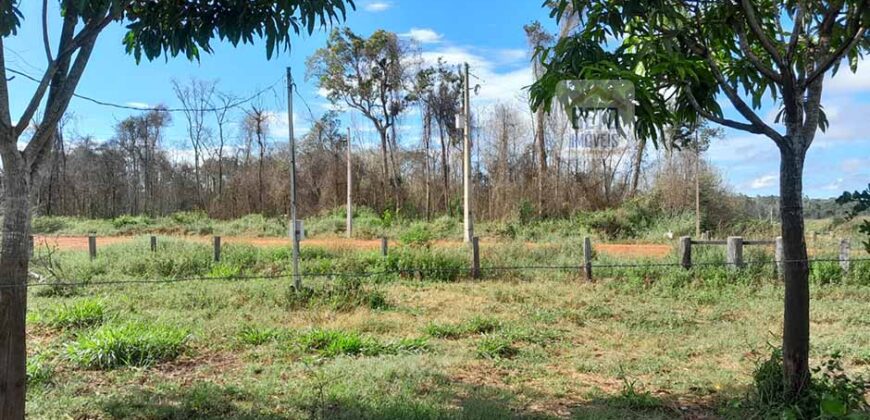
(486, 33)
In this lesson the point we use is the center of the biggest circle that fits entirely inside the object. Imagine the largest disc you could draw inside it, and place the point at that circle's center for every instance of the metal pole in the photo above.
(349, 190)
(297, 281)
(466, 158)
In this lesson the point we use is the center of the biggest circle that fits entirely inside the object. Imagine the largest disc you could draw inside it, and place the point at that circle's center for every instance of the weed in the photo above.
(39, 371)
(254, 336)
(496, 347)
(132, 344)
(476, 325)
(632, 398)
(79, 314)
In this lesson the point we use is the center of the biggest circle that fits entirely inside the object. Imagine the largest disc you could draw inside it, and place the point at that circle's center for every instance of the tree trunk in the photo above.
(542, 160)
(636, 167)
(385, 168)
(796, 326)
(14, 260)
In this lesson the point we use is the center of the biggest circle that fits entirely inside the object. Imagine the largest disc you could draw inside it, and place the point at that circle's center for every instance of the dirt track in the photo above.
(81, 243)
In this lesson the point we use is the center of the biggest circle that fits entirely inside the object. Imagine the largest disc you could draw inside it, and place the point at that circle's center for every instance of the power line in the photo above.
(136, 108)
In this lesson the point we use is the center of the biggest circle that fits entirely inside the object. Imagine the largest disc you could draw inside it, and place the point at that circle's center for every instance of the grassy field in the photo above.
(641, 342)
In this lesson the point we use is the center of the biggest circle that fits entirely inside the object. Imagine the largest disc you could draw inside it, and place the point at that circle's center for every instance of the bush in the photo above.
(433, 265)
(345, 295)
(132, 344)
(79, 314)
(48, 224)
(831, 394)
(417, 236)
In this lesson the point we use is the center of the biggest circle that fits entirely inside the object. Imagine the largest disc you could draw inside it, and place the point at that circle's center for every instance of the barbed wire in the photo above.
(417, 271)
(232, 105)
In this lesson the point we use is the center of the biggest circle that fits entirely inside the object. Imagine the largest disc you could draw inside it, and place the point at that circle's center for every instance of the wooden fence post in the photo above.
(92, 246)
(153, 244)
(845, 250)
(686, 252)
(587, 258)
(475, 258)
(385, 246)
(217, 249)
(779, 259)
(735, 252)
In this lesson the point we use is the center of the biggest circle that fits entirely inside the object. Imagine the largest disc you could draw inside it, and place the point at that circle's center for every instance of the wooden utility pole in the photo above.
(294, 235)
(349, 190)
(466, 158)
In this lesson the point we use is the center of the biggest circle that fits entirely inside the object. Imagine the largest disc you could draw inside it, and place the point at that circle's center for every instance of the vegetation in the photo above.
(530, 342)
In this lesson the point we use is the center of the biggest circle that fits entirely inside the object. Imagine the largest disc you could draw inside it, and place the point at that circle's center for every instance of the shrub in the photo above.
(79, 314)
(495, 347)
(417, 236)
(831, 394)
(434, 265)
(48, 224)
(132, 344)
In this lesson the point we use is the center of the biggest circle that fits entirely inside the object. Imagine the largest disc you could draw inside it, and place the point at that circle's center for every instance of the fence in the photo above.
(734, 260)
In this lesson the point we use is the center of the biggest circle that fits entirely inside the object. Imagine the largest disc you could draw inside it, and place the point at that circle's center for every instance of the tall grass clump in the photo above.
(78, 314)
(476, 325)
(132, 344)
(39, 371)
(344, 294)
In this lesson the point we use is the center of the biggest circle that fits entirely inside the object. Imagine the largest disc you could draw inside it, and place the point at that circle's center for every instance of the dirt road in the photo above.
(81, 243)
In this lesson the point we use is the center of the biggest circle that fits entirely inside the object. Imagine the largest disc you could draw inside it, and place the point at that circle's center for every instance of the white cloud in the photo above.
(142, 105)
(377, 6)
(423, 35)
(496, 84)
(764, 181)
(847, 82)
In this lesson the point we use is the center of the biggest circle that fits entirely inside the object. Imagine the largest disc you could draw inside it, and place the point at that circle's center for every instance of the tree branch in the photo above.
(56, 105)
(754, 59)
(5, 117)
(836, 56)
(759, 33)
(721, 120)
(795, 33)
(45, 42)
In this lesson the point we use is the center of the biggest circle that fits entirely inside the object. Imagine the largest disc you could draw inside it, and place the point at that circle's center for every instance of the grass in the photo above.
(81, 313)
(637, 343)
(131, 344)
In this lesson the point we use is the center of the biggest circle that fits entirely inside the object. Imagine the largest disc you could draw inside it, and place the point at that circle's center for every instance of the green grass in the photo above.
(131, 344)
(81, 313)
(529, 344)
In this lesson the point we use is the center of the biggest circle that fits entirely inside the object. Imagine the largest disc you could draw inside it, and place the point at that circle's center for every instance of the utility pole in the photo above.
(297, 281)
(349, 190)
(697, 184)
(466, 158)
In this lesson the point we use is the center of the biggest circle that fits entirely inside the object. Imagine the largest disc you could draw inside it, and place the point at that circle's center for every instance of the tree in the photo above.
(861, 203)
(689, 53)
(538, 37)
(154, 28)
(368, 75)
(439, 90)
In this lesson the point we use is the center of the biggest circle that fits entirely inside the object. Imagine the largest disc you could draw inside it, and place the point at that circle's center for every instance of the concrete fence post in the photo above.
(587, 258)
(385, 246)
(475, 258)
(779, 259)
(735, 252)
(845, 250)
(686, 252)
(217, 249)
(153, 244)
(92, 246)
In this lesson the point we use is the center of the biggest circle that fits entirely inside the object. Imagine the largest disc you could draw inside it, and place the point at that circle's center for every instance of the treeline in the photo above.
(230, 164)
